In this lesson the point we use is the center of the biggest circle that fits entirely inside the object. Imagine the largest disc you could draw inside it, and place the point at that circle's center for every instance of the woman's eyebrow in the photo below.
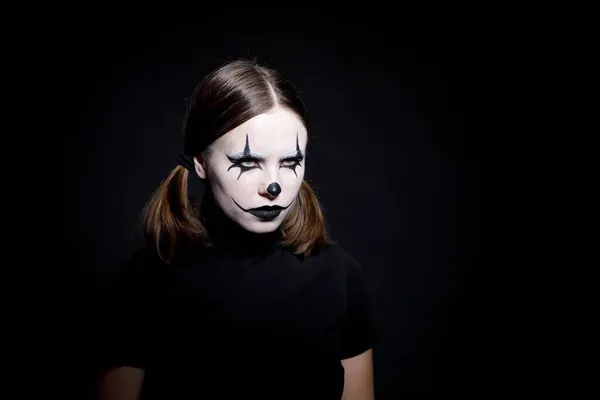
(295, 155)
(243, 155)
(247, 153)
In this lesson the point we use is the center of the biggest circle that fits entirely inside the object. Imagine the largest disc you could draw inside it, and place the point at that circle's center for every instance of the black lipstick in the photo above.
(264, 212)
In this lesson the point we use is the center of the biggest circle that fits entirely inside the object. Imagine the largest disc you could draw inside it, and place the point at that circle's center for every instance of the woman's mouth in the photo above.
(264, 212)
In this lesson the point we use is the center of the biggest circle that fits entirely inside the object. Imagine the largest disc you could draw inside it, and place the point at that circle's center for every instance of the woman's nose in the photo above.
(272, 190)
(270, 186)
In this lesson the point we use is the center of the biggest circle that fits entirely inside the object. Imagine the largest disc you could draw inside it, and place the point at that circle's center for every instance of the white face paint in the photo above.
(259, 163)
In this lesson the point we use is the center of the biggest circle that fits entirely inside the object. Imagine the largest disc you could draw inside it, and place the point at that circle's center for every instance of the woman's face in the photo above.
(256, 169)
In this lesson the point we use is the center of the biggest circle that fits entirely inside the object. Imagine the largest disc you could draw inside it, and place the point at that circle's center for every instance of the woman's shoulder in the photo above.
(139, 265)
(144, 254)
(336, 254)
(143, 258)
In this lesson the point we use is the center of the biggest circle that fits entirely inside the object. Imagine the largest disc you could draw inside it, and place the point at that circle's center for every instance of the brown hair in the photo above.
(227, 97)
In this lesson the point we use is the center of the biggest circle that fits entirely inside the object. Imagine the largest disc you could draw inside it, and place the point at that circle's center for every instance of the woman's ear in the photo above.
(200, 166)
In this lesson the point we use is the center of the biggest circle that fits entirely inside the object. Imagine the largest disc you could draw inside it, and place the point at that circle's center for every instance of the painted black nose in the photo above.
(274, 189)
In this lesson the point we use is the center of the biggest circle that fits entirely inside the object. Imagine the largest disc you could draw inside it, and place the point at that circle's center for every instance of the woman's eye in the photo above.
(248, 163)
(288, 163)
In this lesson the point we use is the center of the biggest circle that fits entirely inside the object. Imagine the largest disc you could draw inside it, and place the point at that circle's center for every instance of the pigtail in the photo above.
(304, 229)
(170, 220)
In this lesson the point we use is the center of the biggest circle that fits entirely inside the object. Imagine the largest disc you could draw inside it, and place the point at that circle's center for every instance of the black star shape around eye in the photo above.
(246, 157)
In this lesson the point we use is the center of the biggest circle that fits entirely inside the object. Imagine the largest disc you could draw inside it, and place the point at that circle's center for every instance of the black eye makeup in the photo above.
(245, 161)
(294, 161)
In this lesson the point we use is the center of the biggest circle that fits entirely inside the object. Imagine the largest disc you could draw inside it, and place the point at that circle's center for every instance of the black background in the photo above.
(396, 114)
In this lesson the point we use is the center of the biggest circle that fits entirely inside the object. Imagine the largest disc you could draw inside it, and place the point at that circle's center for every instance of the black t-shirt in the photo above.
(245, 318)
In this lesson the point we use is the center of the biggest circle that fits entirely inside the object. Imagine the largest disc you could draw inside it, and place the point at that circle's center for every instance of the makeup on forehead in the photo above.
(247, 153)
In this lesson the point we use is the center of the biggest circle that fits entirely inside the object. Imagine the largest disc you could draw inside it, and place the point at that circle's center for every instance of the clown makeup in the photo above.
(255, 170)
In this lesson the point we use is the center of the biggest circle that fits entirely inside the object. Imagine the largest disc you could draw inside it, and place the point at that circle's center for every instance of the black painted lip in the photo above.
(264, 212)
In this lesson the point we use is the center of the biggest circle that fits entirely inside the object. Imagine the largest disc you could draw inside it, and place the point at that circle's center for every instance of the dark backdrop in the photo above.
(395, 114)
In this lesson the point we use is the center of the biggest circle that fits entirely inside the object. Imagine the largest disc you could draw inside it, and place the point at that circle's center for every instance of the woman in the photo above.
(243, 294)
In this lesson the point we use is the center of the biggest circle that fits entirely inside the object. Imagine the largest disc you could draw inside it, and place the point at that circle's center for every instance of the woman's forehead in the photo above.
(273, 132)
